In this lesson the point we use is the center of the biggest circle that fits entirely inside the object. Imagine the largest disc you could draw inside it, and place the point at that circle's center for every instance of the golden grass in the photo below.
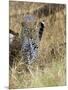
(25, 76)
(49, 69)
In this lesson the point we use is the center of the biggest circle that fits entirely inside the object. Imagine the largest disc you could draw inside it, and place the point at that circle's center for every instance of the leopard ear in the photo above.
(13, 33)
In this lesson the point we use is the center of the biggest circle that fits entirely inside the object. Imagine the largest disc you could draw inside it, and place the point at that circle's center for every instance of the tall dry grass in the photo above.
(50, 68)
